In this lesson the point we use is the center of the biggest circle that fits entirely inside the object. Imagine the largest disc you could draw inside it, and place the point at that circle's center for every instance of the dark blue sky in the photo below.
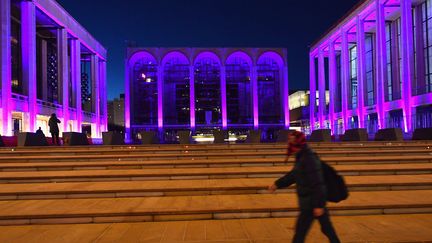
(292, 24)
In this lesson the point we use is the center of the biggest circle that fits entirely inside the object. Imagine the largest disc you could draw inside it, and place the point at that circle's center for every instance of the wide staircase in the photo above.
(207, 193)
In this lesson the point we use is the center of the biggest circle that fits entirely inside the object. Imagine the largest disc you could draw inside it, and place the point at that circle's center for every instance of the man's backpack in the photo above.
(336, 188)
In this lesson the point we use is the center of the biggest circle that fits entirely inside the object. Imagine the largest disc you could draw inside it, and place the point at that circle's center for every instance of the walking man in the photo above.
(311, 190)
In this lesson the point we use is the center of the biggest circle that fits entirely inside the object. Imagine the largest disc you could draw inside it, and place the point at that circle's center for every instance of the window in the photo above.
(427, 44)
(370, 72)
(338, 96)
(239, 90)
(269, 92)
(389, 85)
(352, 104)
(17, 85)
(176, 89)
(144, 92)
(207, 92)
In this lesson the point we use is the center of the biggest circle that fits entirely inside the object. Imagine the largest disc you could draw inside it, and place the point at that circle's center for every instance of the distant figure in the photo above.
(308, 175)
(40, 132)
(54, 129)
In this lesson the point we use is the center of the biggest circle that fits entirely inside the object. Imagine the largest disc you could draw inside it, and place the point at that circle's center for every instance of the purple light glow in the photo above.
(230, 60)
(312, 94)
(361, 57)
(28, 50)
(372, 18)
(6, 68)
(332, 84)
(321, 88)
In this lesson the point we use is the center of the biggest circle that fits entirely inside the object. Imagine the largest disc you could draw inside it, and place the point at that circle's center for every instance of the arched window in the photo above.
(239, 91)
(207, 91)
(269, 95)
(176, 98)
(144, 92)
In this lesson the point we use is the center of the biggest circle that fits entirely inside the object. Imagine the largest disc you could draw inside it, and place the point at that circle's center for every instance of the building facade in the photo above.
(116, 111)
(49, 64)
(205, 88)
(377, 62)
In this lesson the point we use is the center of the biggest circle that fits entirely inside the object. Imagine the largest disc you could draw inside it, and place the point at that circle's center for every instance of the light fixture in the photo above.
(143, 76)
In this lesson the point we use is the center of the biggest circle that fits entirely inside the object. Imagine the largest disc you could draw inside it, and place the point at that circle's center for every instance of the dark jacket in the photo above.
(308, 176)
(53, 125)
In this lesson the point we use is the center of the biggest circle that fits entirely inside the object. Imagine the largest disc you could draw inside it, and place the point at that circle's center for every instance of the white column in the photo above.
(5, 67)
(63, 74)
(345, 77)
(104, 94)
(286, 97)
(192, 96)
(381, 62)
(160, 83)
(76, 80)
(223, 97)
(312, 88)
(332, 83)
(28, 49)
(95, 92)
(361, 73)
(255, 102)
(321, 88)
(407, 61)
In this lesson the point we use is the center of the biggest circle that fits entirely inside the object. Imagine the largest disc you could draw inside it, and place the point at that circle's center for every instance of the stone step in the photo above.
(107, 210)
(195, 187)
(29, 151)
(200, 173)
(195, 156)
(370, 228)
(199, 163)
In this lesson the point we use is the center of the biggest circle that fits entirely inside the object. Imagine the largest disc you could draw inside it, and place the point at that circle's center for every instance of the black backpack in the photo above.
(336, 188)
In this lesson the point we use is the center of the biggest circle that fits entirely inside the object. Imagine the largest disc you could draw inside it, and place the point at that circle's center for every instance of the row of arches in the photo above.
(206, 54)
(209, 75)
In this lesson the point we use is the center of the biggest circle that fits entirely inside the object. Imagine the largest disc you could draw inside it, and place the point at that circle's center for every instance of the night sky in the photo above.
(292, 24)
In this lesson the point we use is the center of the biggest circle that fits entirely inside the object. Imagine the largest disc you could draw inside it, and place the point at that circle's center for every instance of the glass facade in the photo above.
(427, 44)
(176, 99)
(239, 91)
(384, 85)
(352, 90)
(269, 92)
(370, 70)
(145, 92)
(207, 92)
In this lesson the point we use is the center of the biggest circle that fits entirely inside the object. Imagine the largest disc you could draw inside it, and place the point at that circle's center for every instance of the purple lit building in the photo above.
(169, 89)
(49, 64)
(377, 62)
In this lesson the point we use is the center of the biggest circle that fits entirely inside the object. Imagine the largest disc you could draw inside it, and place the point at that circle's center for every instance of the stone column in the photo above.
(28, 50)
(312, 88)
(381, 64)
(286, 97)
(255, 96)
(407, 61)
(95, 92)
(76, 80)
(332, 83)
(345, 77)
(63, 74)
(192, 96)
(361, 71)
(160, 82)
(105, 96)
(223, 97)
(321, 88)
(5, 67)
